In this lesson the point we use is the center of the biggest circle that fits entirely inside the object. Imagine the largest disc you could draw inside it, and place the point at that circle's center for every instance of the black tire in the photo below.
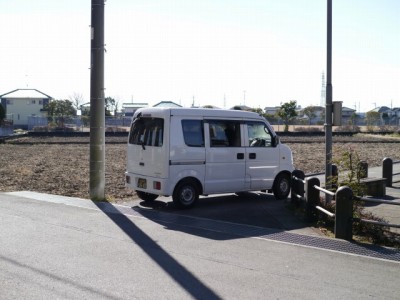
(281, 187)
(185, 194)
(146, 196)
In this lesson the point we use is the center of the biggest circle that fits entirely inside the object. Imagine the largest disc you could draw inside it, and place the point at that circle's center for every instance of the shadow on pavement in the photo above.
(255, 209)
(172, 267)
(226, 217)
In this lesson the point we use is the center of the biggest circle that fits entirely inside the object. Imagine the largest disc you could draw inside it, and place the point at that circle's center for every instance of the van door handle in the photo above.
(240, 156)
(252, 156)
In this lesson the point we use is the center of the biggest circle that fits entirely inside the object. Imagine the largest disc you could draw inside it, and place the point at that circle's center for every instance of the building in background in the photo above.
(167, 104)
(128, 109)
(22, 104)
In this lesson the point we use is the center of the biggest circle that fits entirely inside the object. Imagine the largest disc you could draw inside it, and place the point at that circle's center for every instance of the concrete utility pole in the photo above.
(328, 109)
(97, 113)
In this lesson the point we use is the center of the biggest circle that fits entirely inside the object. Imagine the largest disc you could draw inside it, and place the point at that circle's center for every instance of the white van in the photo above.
(187, 152)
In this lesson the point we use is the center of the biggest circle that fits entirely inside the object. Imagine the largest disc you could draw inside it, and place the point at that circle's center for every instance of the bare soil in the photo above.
(60, 165)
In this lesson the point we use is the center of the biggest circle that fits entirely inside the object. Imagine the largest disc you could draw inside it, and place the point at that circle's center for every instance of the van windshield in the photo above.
(147, 132)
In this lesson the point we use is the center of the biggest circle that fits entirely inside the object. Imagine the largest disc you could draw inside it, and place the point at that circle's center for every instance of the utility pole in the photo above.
(97, 112)
(328, 109)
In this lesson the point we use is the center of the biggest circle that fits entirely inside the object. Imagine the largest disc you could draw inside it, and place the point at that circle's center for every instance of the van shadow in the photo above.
(262, 214)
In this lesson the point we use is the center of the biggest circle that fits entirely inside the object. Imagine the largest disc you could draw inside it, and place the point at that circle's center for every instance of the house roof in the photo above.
(344, 108)
(167, 104)
(26, 93)
(381, 109)
(134, 105)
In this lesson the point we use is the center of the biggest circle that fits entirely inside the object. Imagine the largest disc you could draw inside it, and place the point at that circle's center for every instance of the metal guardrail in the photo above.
(380, 201)
(308, 189)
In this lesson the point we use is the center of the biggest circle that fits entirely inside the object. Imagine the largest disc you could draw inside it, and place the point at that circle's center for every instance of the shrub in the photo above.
(348, 128)
(308, 129)
(350, 172)
(388, 128)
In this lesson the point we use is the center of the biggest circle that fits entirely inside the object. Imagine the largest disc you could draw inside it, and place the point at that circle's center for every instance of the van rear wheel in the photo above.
(185, 194)
(281, 187)
(146, 196)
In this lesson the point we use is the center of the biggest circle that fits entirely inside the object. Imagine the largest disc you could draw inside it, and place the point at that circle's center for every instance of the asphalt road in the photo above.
(56, 247)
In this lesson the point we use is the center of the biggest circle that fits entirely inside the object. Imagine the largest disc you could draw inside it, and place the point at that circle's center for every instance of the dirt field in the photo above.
(61, 165)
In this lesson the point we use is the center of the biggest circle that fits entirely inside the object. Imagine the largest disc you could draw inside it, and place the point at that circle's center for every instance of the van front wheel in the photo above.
(185, 194)
(281, 187)
(146, 196)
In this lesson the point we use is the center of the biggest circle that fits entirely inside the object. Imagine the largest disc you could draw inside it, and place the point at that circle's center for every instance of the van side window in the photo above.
(147, 132)
(224, 133)
(259, 135)
(193, 133)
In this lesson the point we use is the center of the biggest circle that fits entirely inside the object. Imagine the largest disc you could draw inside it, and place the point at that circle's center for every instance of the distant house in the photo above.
(318, 111)
(319, 114)
(21, 104)
(128, 109)
(395, 117)
(389, 116)
(271, 110)
(167, 104)
(85, 108)
(347, 114)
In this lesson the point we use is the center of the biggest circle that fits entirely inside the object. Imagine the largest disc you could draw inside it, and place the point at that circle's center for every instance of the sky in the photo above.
(259, 53)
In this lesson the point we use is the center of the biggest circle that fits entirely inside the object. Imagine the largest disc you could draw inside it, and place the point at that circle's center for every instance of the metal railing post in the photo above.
(312, 198)
(387, 171)
(344, 213)
(297, 186)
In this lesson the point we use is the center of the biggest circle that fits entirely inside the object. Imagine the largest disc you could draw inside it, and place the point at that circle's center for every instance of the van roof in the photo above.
(206, 112)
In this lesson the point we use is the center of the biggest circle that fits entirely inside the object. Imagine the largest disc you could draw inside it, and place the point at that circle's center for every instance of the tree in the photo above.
(116, 106)
(257, 110)
(2, 114)
(77, 100)
(372, 118)
(272, 119)
(109, 105)
(287, 112)
(309, 111)
(353, 120)
(60, 110)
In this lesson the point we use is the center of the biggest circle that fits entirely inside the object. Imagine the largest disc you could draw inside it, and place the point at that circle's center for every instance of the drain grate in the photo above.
(336, 245)
(241, 230)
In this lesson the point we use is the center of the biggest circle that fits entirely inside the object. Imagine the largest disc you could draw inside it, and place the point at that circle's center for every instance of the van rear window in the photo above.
(193, 133)
(147, 132)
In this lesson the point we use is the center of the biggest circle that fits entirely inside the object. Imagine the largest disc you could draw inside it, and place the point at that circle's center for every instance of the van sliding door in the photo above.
(225, 157)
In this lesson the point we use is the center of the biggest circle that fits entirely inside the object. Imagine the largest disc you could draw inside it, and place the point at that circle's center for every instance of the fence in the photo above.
(78, 122)
(6, 131)
(387, 170)
(307, 189)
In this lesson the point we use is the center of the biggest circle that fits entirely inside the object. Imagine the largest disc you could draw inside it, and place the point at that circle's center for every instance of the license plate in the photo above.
(142, 183)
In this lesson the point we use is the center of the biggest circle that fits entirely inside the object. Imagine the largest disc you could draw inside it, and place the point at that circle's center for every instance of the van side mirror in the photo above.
(275, 141)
